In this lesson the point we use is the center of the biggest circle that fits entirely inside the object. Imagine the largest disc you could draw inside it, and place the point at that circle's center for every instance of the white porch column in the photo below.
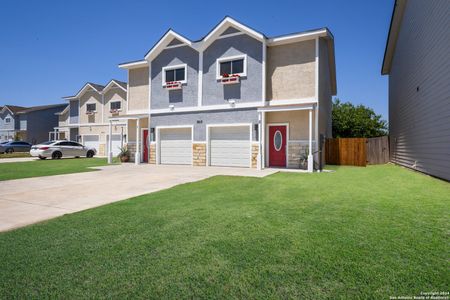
(263, 140)
(259, 159)
(310, 156)
(110, 153)
(137, 156)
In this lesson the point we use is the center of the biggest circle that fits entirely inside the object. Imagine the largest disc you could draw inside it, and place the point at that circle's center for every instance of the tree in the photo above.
(356, 121)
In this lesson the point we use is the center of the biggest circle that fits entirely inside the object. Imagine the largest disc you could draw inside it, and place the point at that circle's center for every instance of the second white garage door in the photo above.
(91, 141)
(176, 146)
(116, 144)
(230, 146)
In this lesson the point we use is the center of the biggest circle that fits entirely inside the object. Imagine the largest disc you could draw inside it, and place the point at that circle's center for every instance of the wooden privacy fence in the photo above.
(357, 151)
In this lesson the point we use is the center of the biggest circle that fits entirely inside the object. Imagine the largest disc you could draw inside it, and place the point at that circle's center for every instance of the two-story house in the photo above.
(233, 98)
(86, 117)
(29, 124)
(417, 61)
(9, 122)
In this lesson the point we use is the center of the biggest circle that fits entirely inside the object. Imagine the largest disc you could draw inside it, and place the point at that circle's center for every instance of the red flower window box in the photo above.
(114, 111)
(90, 112)
(173, 85)
(230, 78)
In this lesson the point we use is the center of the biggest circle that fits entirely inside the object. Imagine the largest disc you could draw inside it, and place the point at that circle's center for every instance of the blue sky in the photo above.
(49, 49)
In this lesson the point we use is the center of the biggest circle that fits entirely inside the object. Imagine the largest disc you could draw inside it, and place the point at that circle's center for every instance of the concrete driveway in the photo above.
(27, 201)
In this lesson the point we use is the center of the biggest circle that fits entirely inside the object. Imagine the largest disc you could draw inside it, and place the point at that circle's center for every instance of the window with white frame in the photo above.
(91, 107)
(233, 65)
(8, 120)
(115, 105)
(176, 73)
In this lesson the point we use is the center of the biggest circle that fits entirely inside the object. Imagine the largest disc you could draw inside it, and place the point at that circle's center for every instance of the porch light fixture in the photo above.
(232, 102)
(171, 107)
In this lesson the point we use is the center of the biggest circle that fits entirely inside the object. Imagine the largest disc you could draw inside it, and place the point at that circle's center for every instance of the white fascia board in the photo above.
(286, 108)
(134, 65)
(293, 38)
(205, 108)
(227, 22)
(111, 84)
(280, 102)
(162, 44)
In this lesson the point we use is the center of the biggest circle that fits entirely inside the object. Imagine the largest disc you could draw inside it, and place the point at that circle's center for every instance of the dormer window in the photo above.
(90, 108)
(8, 120)
(231, 67)
(174, 76)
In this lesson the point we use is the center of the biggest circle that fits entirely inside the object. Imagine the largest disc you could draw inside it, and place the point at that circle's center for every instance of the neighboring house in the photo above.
(9, 122)
(234, 98)
(86, 117)
(30, 124)
(417, 60)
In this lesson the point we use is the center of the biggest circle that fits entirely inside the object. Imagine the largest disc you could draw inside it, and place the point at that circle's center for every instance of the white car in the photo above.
(58, 149)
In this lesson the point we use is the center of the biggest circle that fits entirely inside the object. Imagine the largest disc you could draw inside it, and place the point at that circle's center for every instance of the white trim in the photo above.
(134, 64)
(208, 141)
(293, 38)
(264, 63)
(286, 108)
(137, 112)
(95, 124)
(200, 78)
(128, 88)
(224, 36)
(82, 91)
(110, 84)
(175, 46)
(231, 58)
(205, 108)
(316, 117)
(158, 142)
(292, 101)
(174, 67)
(220, 28)
(115, 101)
(199, 142)
(267, 141)
(163, 42)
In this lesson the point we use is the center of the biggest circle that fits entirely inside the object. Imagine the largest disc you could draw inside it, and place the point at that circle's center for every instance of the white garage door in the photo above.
(230, 146)
(176, 146)
(116, 144)
(91, 141)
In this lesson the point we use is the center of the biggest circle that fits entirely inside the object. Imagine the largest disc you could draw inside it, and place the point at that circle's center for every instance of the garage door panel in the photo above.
(116, 144)
(176, 146)
(230, 146)
(91, 141)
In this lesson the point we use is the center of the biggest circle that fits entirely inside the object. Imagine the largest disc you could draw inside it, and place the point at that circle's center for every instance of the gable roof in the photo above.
(96, 87)
(394, 29)
(14, 109)
(115, 82)
(41, 107)
(66, 109)
(165, 40)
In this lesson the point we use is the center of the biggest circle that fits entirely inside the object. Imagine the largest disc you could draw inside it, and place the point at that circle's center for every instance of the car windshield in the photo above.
(47, 143)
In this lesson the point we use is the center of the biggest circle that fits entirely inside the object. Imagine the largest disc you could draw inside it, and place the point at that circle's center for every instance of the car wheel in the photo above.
(90, 154)
(10, 150)
(56, 155)
(42, 157)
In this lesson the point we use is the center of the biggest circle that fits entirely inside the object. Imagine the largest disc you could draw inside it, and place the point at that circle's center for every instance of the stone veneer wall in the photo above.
(132, 150)
(199, 153)
(295, 151)
(152, 158)
(254, 155)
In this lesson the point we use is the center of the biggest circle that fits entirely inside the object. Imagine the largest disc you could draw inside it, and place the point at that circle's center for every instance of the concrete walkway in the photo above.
(27, 201)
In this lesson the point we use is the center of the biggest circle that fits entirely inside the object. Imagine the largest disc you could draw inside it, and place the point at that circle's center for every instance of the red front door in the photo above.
(277, 146)
(146, 143)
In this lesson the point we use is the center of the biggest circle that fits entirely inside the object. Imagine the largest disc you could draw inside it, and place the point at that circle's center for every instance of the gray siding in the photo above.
(40, 123)
(74, 112)
(419, 89)
(325, 94)
(7, 126)
(188, 96)
(250, 88)
(206, 118)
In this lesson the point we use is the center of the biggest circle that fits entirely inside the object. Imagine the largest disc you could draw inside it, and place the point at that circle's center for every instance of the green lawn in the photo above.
(14, 155)
(37, 168)
(358, 233)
